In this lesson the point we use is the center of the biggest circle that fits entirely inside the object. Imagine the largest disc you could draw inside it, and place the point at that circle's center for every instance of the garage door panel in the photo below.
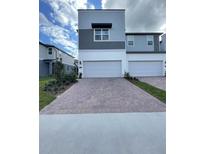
(145, 68)
(102, 68)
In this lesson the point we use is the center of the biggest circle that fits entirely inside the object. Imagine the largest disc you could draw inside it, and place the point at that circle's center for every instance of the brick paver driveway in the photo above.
(104, 95)
(159, 82)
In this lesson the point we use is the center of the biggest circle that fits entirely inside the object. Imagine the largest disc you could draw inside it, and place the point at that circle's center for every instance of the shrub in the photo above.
(52, 82)
(80, 76)
(56, 85)
(72, 77)
(127, 76)
(48, 86)
(58, 70)
(67, 82)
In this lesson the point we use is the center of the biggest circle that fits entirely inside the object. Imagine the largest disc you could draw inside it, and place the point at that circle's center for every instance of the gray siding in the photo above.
(117, 18)
(141, 43)
(117, 32)
(163, 43)
(156, 43)
(43, 68)
(86, 41)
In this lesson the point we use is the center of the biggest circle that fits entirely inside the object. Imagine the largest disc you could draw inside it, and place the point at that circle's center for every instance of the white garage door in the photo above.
(102, 68)
(145, 68)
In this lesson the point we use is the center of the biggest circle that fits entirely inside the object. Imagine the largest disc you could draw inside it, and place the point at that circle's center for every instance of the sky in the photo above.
(58, 18)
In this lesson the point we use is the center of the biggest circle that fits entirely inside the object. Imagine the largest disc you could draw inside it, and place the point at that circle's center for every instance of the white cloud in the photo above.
(90, 6)
(65, 11)
(163, 27)
(141, 15)
(57, 34)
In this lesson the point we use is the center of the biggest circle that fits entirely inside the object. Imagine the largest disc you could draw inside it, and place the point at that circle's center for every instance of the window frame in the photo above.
(150, 38)
(101, 34)
(130, 41)
(50, 51)
(149, 42)
(130, 38)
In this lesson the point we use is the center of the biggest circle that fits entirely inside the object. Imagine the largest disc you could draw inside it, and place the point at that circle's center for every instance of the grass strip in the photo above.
(156, 92)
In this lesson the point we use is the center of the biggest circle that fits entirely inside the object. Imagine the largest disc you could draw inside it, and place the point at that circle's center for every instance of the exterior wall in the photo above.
(66, 59)
(117, 18)
(163, 43)
(43, 52)
(102, 55)
(148, 57)
(117, 32)
(43, 68)
(156, 43)
(86, 41)
(140, 43)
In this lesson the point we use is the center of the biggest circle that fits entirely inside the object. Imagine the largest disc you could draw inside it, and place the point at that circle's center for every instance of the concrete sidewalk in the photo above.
(106, 133)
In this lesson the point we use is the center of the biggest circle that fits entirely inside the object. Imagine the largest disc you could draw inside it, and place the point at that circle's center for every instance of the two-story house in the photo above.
(48, 55)
(143, 56)
(105, 50)
(102, 50)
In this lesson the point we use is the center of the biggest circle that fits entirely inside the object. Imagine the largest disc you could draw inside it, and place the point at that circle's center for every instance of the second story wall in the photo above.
(163, 43)
(66, 59)
(142, 43)
(87, 32)
(44, 52)
(53, 53)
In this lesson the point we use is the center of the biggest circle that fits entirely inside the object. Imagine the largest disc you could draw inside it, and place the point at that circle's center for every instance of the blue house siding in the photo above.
(43, 68)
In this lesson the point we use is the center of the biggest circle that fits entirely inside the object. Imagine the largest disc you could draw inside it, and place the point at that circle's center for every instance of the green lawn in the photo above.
(44, 97)
(156, 92)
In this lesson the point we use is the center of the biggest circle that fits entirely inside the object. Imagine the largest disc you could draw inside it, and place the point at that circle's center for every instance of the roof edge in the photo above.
(146, 52)
(144, 33)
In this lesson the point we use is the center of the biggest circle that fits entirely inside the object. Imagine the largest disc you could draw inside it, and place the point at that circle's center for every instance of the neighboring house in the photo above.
(163, 42)
(143, 55)
(105, 50)
(48, 55)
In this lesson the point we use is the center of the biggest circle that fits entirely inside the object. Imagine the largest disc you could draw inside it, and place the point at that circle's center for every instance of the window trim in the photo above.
(50, 50)
(149, 41)
(130, 41)
(130, 38)
(101, 36)
(150, 38)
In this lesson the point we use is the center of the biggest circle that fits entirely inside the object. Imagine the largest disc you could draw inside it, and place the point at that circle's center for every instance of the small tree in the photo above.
(59, 70)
